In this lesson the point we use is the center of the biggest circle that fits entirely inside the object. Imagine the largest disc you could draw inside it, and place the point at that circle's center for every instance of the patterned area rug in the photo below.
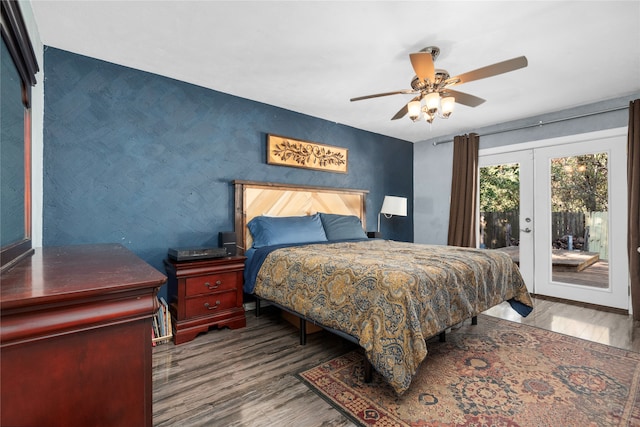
(495, 374)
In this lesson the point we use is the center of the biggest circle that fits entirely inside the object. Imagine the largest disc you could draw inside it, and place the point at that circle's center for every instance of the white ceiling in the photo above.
(312, 57)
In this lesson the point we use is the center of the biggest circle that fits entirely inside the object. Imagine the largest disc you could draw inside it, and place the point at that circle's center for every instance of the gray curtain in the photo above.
(464, 180)
(633, 198)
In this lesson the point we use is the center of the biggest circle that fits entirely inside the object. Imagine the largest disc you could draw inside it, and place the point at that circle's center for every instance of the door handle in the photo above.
(526, 230)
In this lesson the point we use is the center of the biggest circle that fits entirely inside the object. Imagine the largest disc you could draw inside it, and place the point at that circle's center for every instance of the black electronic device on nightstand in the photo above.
(190, 254)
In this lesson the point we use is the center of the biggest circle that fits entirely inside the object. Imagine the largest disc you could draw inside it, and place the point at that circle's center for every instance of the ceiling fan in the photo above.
(432, 86)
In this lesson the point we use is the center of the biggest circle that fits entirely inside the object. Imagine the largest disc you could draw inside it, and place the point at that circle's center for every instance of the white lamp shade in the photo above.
(432, 102)
(393, 205)
(447, 105)
(414, 109)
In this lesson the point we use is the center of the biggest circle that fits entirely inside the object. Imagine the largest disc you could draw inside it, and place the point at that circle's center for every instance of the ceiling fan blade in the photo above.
(400, 114)
(464, 98)
(404, 110)
(489, 71)
(422, 63)
(377, 95)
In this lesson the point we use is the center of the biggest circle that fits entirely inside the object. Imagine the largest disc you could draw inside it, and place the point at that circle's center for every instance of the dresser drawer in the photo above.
(211, 283)
(210, 305)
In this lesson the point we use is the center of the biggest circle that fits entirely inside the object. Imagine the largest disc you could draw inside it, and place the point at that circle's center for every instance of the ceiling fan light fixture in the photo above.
(431, 86)
(432, 102)
(447, 105)
(414, 110)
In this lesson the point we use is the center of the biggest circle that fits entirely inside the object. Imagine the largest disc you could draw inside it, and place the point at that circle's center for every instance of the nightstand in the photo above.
(204, 294)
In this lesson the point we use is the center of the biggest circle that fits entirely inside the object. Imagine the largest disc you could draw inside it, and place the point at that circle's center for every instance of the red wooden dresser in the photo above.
(75, 338)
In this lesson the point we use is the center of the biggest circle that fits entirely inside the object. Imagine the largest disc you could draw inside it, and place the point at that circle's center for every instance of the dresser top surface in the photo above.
(60, 273)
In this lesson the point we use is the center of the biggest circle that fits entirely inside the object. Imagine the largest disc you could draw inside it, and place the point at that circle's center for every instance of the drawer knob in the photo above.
(209, 307)
(214, 286)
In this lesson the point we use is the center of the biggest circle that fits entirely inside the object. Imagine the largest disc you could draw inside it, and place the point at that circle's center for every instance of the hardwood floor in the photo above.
(245, 377)
(614, 329)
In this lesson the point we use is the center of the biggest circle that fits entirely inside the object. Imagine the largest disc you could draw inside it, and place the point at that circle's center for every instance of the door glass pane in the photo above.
(500, 208)
(579, 220)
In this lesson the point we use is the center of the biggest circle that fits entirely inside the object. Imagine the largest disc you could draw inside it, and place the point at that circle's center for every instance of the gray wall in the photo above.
(432, 164)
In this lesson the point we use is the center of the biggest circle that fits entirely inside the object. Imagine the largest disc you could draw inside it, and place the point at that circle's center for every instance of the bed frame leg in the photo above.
(303, 331)
(474, 320)
(368, 371)
(257, 307)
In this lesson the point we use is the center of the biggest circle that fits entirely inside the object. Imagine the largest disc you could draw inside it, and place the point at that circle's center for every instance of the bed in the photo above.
(307, 253)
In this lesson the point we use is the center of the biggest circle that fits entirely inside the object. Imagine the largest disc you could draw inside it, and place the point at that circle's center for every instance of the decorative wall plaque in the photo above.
(305, 154)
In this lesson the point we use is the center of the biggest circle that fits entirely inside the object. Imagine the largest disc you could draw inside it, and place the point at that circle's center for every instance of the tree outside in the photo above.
(580, 183)
(500, 188)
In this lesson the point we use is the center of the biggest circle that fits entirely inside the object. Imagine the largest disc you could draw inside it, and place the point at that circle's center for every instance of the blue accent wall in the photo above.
(147, 161)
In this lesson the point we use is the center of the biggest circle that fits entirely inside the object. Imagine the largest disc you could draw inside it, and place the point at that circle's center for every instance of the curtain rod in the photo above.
(540, 123)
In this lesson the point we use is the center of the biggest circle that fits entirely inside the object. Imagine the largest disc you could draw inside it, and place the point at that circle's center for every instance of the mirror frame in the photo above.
(15, 36)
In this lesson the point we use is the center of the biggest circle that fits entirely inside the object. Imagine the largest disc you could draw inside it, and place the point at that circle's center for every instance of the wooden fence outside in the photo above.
(567, 224)
(499, 229)
(598, 223)
(590, 232)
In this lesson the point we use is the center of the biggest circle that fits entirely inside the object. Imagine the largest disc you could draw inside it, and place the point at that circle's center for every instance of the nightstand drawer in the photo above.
(211, 283)
(210, 305)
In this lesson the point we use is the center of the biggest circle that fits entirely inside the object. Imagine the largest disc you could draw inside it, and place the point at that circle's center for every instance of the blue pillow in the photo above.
(273, 230)
(339, 227)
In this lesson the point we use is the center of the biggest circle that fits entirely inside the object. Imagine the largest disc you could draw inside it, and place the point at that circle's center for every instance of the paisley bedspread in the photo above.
(389, 295)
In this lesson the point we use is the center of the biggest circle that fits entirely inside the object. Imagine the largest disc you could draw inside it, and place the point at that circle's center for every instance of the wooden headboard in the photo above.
(266, 198)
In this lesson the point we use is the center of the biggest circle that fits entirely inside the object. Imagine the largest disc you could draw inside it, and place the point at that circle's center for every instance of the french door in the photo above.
(567, 230)
(506, 208)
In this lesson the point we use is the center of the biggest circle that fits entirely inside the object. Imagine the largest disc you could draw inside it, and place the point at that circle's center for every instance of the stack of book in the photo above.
(161, 331)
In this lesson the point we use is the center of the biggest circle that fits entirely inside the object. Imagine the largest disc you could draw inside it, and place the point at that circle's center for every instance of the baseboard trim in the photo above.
(583, 304)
